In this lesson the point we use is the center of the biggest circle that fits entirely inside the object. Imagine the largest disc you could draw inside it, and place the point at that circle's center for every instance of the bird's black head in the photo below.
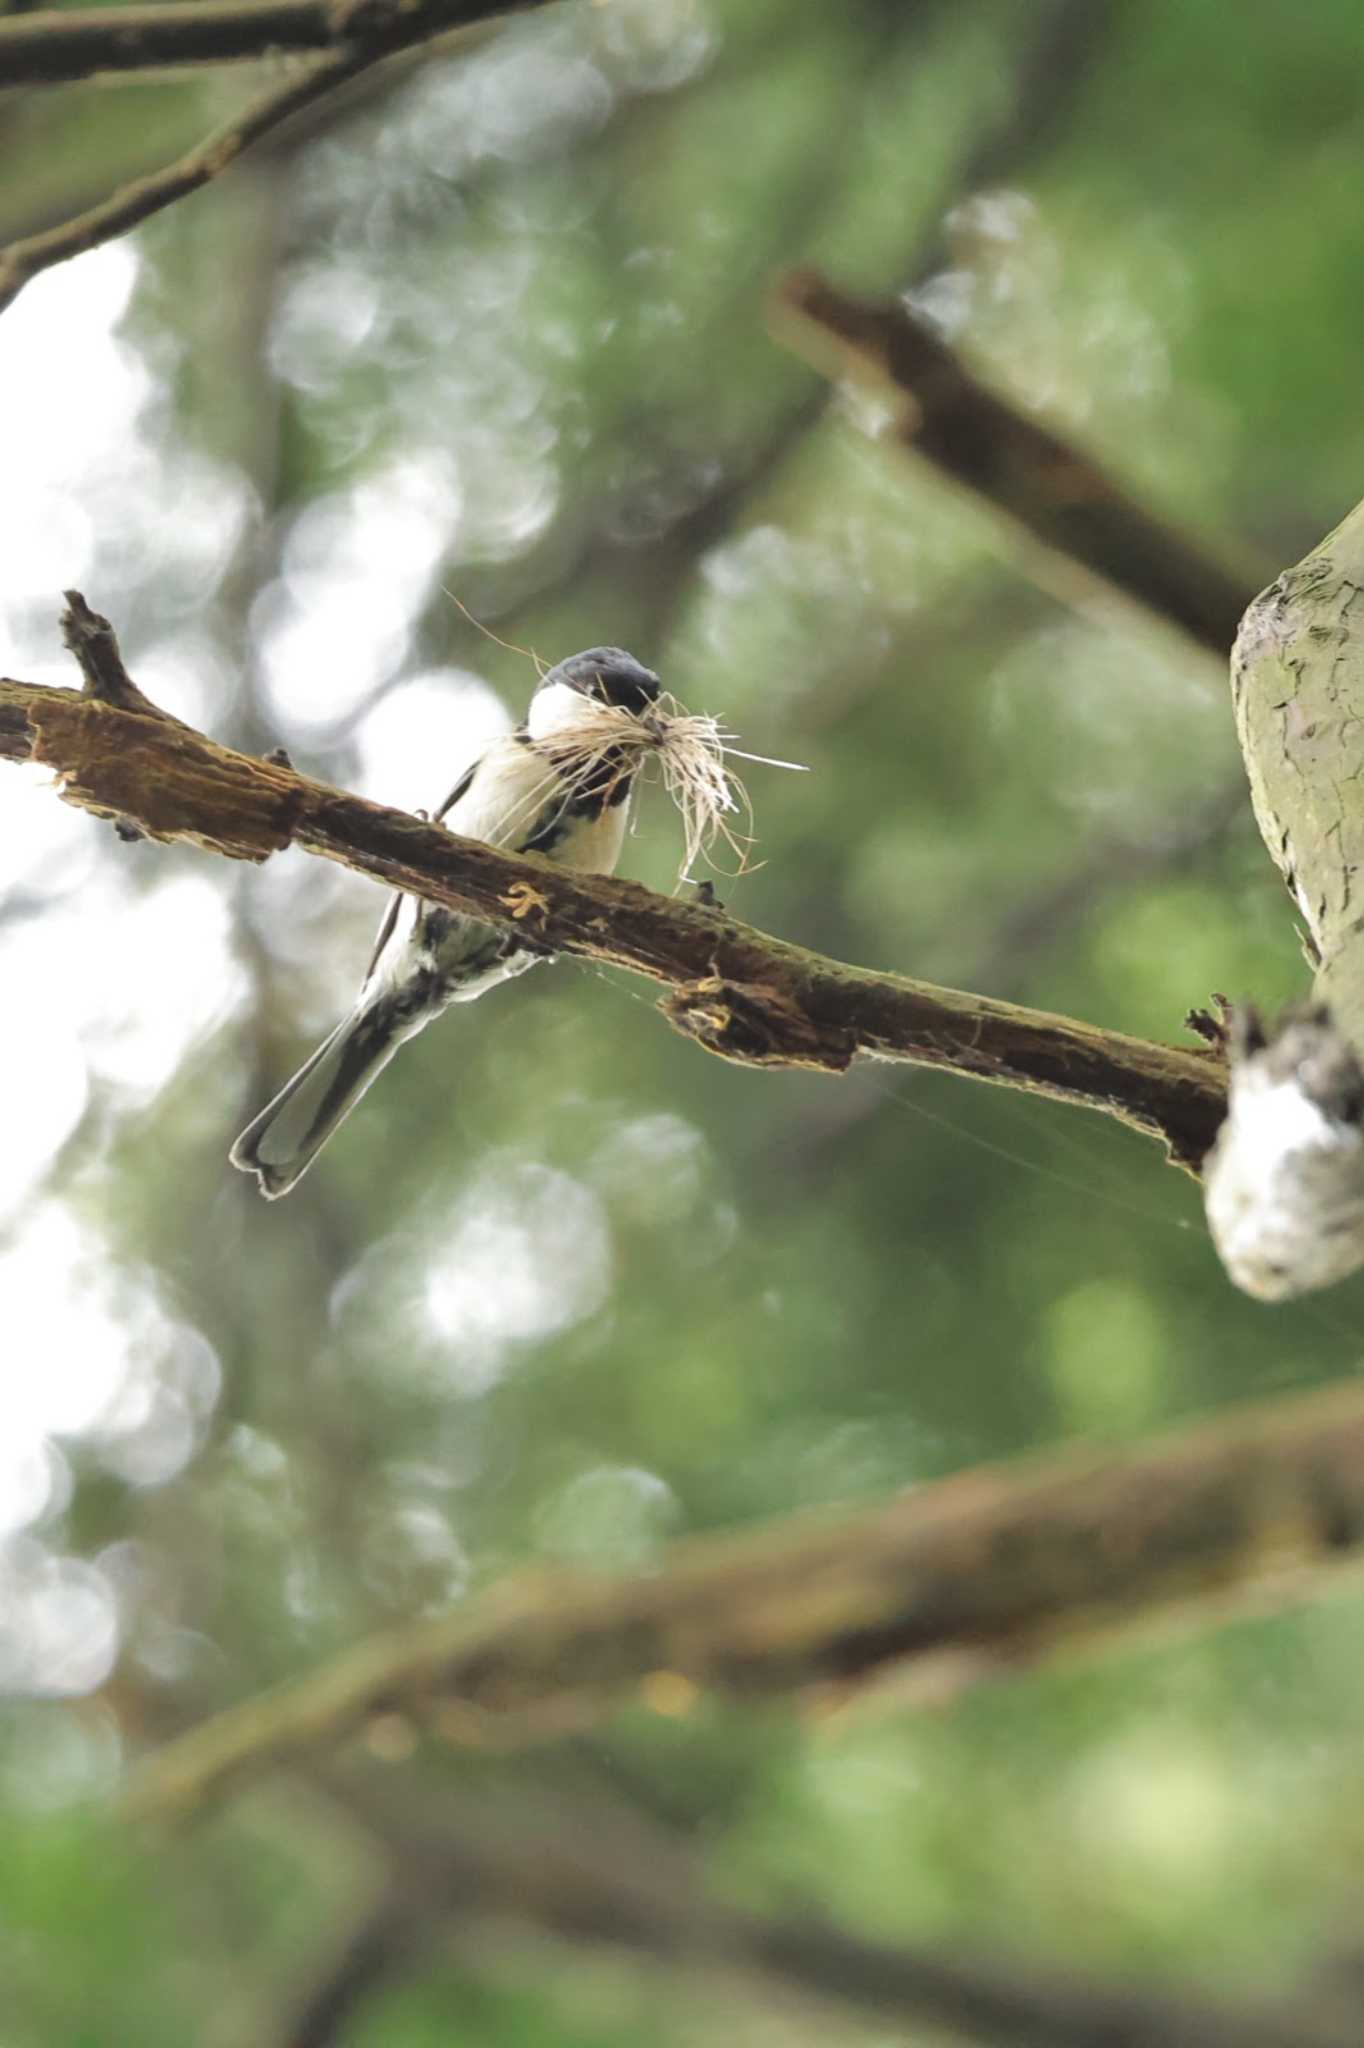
(609, 675)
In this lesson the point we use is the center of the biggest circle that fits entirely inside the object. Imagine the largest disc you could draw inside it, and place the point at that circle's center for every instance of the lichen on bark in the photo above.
(1285, 1182)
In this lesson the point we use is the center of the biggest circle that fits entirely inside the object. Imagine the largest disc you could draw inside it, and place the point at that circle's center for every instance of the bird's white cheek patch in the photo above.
(553, 707)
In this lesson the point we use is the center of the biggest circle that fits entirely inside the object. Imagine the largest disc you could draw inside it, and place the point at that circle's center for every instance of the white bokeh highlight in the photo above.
(522, 1255)
(114, 968)
(357, 569)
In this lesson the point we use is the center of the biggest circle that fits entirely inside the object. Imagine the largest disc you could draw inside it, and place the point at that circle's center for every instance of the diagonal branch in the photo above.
(21, 262)
(955, 1583)
(1052, 488)
(738, 992)
(55, 47)
(363, 34)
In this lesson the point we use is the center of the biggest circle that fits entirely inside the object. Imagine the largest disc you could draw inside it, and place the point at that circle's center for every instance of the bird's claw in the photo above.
(524, 900)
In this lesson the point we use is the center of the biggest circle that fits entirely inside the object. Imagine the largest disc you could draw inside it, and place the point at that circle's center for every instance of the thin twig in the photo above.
(133, 203)
(138, 200)
(55, 48)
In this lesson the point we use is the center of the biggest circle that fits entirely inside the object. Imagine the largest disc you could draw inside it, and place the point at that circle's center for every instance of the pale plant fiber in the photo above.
(691, 749)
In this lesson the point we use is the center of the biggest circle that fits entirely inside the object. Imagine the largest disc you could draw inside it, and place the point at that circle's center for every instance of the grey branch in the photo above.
(962, 1581)
(741, 994)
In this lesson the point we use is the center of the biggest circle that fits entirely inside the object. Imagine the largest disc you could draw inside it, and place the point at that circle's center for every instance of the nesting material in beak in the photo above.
(692, 750)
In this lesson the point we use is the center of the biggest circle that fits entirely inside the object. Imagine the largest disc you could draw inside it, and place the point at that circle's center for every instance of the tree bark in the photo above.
(1285, 1190)
(739, 993)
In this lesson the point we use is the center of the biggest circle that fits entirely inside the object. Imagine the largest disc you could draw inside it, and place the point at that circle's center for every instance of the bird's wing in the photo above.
(390, 917)
(385, 932)
(458, 791)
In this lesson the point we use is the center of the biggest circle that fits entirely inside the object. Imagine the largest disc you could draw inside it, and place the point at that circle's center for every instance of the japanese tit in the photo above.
(518, 795)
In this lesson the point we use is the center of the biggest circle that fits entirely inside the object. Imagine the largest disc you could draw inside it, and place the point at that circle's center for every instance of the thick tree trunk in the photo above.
(1285, 1183)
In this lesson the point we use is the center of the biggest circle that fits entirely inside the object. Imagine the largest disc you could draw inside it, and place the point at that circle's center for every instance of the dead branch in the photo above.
(964, 1580)
(1052, 488)
(740, 993)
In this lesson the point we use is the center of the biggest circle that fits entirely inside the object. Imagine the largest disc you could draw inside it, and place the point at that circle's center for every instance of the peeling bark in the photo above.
(738, 992)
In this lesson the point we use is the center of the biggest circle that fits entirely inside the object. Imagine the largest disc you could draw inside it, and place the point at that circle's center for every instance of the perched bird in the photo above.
(556, 786)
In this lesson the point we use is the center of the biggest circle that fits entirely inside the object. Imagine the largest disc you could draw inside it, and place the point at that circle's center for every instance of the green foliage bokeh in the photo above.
(565, 1289)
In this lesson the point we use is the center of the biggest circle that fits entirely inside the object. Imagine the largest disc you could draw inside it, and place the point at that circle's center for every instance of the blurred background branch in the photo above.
(487, 323)
(364, 32)
(23, 260)
(577, 1874)
(60, 46)
(1046, 484)
(959, 1584)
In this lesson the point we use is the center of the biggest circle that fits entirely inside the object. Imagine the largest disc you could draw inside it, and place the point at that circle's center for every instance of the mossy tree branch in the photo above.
(964, 1580)
(738, 992)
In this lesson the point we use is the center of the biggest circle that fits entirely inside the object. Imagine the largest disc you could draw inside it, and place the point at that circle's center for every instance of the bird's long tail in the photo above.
(281, 1143)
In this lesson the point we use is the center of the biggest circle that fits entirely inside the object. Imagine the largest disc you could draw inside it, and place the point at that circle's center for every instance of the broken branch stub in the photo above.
(740, 992)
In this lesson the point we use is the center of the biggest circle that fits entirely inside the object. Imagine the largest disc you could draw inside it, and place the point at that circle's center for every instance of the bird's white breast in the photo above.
(512, 788)
(515, 790)
(594, 844)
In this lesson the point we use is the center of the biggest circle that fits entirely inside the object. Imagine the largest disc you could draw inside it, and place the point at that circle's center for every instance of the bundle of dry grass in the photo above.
(692, 751)
(691, 748)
